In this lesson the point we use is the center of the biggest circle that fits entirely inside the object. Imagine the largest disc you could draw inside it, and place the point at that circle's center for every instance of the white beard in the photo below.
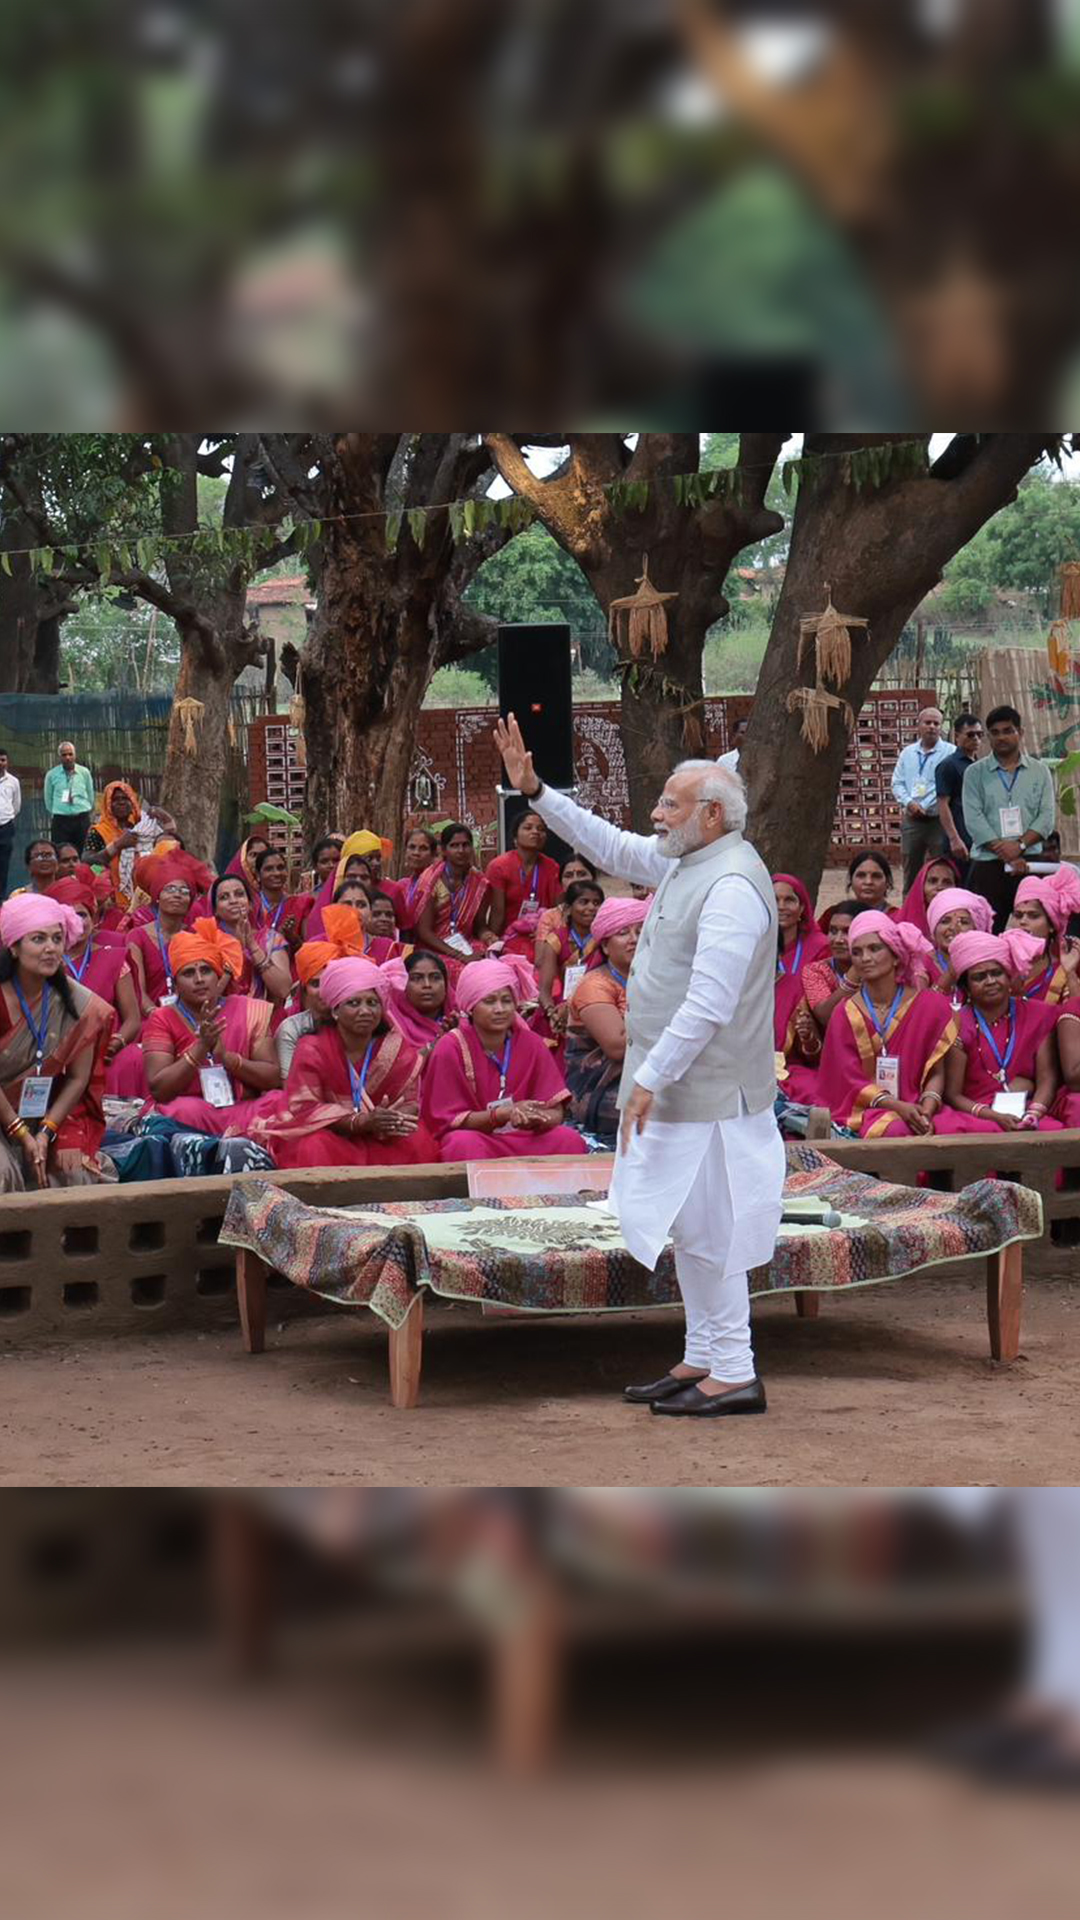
(673, 842)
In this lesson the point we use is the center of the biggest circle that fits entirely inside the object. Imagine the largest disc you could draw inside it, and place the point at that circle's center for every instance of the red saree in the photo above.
(795, 1032)
(462, 1079)
(75, 1155)
(298, 1125)
(166, 1031)
(456, 910)
(920, 1034)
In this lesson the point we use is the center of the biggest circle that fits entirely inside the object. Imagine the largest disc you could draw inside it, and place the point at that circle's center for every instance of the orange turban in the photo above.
(345, 942)
(155, 870)
(207, 943)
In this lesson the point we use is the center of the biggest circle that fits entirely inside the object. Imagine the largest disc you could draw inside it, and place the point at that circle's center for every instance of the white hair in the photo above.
(722, 784)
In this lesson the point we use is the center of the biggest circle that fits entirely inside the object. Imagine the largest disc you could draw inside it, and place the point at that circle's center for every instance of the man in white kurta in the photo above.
(700, 1158)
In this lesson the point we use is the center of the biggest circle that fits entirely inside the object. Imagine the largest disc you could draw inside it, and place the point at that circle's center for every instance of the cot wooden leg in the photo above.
(807, 1305)
(406, 1353)
(242, 1579)
(526, 1669)
(1004, 1299)
(251, 1298)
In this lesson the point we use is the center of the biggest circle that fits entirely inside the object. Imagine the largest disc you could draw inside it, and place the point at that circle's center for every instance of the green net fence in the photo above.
(119, 736)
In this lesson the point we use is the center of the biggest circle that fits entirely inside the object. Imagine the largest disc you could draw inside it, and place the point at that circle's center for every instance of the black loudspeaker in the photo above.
(511, 807)
(535, 686)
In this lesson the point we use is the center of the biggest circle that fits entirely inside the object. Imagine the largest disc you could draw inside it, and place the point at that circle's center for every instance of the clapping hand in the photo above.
(518, 761)
(211, 1028)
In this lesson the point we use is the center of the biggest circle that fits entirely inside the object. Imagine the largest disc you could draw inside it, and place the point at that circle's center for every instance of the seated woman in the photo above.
(360, 854)
(325, 855)
(491, 1088)
(68, 861)
(827, 981)
(103, 969)
(954, 910)
(596, 1033)
(424, 1007)
(795, 1033)
(1067, 1104)
(344, 941)
(869, 881)
(454, 903)
(1042, 908)
(266, 971)
(276, 909)
(565, 953)
(382, 920)
(937, 874)
(210, 1056)
(53, 1035)
(1001, 1072)
(553, 918)
(883, 1060)
(420, 851)
(148, 944)
(351, 1096)
(524, 882)
(41, 862)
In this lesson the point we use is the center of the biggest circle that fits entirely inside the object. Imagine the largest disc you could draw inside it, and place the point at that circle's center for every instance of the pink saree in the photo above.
(920, 1034)
(1034, 1020)
(298, 1125)
(166, 1031)
(461, 1078)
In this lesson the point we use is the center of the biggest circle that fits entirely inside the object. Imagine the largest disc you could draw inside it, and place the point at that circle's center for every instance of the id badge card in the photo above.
(167, 1000)
(1013, 1103)
(572, 980)
(459, 943)
(888, 1075)
(1011, 822)
(919, 789)
(216, 1087)
(35, 1096)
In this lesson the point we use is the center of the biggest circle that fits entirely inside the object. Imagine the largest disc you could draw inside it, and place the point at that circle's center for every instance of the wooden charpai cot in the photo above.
(890, 1229)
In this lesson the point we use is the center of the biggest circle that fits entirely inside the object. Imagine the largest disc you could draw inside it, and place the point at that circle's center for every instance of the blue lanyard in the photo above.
(1007, 783)
(796, 963)
(266, 909)
(531, 892)
(77, 972)
(883, 1031)
(581, 945)
(1042, 981)
(193, 1024)
(455, 898)
(923, 758)
(622, 978)
(503, 1065)
(942, 963)
(988, 1035)
(356, 1080)
(41, 1033)
(163, 950)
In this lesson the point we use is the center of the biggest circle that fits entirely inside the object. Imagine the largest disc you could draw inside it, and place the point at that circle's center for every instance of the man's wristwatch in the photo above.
(535, 794)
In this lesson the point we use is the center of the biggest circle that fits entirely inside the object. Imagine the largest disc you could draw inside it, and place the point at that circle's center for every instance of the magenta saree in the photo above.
(1034, 1020)
(461, 1078)
(920, 1034)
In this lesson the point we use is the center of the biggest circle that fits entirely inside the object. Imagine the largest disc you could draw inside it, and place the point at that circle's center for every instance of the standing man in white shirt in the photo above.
(914, 789)
(10, 804)
(700, 1158)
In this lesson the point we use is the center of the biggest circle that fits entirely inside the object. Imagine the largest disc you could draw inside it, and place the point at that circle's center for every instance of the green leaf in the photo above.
(469, 518)
(103, 555)
(1070, 765)
(5, 562)
(456, 514)
(392, 530)
(418, 525)
(278, 816)
(1067, 801)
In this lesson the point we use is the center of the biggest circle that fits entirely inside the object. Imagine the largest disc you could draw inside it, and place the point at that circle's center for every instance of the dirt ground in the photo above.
(891, 1387)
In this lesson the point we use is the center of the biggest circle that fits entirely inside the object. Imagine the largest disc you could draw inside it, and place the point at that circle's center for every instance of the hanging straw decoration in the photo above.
(815, 703)
(1070, 590)
(831, 634)
(1058, 648)
(642, 617)
(188, 712)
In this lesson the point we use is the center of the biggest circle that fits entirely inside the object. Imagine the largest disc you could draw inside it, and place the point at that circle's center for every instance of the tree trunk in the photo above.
(364, 673)
(881, 551)
(45, 666)
(18, 628)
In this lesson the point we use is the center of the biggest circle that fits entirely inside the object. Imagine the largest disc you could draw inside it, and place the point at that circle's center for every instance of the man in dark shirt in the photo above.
(949, 782)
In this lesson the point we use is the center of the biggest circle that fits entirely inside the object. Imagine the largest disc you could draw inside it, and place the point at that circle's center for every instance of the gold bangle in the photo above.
(49, 1126)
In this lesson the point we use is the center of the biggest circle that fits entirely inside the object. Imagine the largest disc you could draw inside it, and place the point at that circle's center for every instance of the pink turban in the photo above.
(1057, 893)
(482, 977)
(617, 916)
(32, 913)
(905, 941)
(951, 899)
(342, 978)
(1017, 952)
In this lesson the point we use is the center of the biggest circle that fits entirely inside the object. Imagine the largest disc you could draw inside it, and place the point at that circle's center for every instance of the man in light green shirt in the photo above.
(69, 797)
(1009, 809)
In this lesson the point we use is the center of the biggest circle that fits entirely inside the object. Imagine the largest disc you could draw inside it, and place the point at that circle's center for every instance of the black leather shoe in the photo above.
(657, 1390)
(712, 1406)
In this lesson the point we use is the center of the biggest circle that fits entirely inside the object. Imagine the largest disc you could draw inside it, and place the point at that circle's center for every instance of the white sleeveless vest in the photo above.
(739, 1057)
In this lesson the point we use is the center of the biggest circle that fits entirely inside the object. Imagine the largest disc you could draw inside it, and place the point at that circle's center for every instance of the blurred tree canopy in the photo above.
(1022, 546)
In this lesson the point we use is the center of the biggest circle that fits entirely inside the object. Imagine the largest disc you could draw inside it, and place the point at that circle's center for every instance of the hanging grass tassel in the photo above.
(831, 634)
(815, 703)
(188, 712)
(1070, 590)
(642, 617)
(1058, 649)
